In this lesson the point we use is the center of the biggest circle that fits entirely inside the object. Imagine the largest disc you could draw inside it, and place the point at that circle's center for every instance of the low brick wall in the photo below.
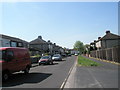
(34, 59)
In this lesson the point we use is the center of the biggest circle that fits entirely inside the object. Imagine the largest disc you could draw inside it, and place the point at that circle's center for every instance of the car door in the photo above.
(11, 61)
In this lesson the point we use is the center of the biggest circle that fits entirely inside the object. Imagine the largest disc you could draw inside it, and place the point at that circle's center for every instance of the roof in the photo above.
(4, 48)
(12, 38)
(110, 36)
(38, 41)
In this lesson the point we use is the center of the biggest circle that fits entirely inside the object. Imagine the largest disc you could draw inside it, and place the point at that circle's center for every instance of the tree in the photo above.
(79, 46)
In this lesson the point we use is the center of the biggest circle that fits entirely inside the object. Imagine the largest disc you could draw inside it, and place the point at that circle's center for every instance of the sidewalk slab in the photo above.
(104, 76)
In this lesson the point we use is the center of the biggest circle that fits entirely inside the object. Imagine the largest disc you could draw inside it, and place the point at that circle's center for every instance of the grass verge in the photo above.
(86, 62)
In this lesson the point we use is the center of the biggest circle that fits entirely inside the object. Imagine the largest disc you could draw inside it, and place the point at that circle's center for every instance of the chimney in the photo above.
(94, 41)
(40, 37)
(107, 32)
(49, 41)
(99, 38)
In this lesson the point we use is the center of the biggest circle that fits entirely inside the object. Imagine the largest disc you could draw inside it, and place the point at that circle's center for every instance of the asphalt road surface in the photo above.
(44, 76)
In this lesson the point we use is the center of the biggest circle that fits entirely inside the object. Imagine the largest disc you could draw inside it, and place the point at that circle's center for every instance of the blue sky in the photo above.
(61, 22)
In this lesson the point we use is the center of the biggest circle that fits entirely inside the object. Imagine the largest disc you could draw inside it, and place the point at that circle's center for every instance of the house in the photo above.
(57, 49)
(93, 45)
(8, 41)
(107, 41)
(39, 45)
(108, 47)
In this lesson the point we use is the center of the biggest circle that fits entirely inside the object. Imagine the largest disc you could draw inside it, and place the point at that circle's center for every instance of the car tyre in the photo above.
(5, 76)
(51, 63)
(26, 71)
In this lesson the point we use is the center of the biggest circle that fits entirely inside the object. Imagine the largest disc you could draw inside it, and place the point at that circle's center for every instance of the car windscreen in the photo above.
(2, 54)
(56, 56)
(46, 57)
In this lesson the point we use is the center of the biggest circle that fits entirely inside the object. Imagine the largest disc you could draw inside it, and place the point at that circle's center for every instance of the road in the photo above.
(44, 76)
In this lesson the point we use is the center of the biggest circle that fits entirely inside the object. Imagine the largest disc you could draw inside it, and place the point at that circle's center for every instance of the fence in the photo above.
(111, 54)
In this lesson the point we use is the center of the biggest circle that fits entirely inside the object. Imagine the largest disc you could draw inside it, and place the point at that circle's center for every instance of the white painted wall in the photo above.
(98, 44)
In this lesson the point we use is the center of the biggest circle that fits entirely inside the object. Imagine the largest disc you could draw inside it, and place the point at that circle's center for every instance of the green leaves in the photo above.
(79, 46)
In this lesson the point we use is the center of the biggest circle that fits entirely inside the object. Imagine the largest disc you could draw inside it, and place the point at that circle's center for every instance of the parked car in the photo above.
(45, 60)
(57, 57)
(69, 54)
(64, 55)
(76, 54)
(13, 60)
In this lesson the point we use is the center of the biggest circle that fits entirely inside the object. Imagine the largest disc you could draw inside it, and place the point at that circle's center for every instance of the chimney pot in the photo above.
(99, 38)
(40, 37)
(94, 40)
(107, 32)
(48, 40)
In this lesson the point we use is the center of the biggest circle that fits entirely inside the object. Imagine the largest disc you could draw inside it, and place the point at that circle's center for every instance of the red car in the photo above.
(13, 59)
(45, 60)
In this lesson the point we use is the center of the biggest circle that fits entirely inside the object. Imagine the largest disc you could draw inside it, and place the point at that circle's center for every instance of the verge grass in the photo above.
(86, 62)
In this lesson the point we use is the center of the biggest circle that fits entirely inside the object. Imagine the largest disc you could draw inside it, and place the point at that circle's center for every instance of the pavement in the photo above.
(104, 76)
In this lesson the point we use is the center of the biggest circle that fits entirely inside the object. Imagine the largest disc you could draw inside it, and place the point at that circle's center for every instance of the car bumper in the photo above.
(57, 59)
(43, 62)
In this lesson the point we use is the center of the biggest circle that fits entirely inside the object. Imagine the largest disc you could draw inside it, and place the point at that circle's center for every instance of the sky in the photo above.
(62, 23)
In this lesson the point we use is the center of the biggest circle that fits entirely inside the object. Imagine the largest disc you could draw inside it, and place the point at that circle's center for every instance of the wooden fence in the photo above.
(111, 54)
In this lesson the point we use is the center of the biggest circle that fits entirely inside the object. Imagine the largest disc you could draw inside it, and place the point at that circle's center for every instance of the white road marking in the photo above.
(64, 82)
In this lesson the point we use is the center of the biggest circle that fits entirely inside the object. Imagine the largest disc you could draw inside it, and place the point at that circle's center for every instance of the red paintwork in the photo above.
(2, 61)
(20, 61)
(43, 59)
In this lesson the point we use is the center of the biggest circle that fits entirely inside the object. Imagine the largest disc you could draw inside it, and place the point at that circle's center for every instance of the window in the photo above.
(2, 54)
(20, 44)
(13, 44)
(10, 55)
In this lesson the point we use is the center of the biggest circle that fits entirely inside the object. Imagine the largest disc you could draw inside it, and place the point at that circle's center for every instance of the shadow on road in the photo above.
(60, 60)
(21, 78)
(34, 65)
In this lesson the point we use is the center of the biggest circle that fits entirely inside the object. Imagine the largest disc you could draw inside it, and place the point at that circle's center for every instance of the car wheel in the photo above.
(51, 62)
(26, 71)
(5, 76)
(39, 64)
